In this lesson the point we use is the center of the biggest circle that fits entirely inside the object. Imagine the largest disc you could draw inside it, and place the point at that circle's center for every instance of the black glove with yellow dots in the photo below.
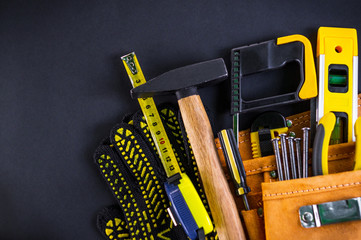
(173, 124)
(130, 165)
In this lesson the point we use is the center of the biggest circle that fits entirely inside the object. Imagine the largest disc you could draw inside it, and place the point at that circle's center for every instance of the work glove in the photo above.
(129, 163)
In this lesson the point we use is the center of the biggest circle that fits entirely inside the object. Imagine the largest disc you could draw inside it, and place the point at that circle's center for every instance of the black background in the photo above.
(62, 88)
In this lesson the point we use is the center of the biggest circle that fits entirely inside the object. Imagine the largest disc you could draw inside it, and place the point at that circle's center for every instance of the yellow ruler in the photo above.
(152, 117)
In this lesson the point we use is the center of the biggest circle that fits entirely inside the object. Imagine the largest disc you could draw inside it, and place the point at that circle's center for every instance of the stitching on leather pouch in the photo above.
(335, 155)
(314, 189)
(296, 124)
(259, 169)
(341, 154)
(244, 134)
(302, 116)
(247, 140)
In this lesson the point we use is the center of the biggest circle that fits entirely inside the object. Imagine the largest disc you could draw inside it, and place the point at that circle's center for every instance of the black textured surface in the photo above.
(62, 88)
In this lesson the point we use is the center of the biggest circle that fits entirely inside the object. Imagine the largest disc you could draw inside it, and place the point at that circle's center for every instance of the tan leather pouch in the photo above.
(275, 204)
(282, 200)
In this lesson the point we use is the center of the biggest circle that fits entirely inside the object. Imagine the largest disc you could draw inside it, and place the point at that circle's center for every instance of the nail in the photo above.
(275, 142)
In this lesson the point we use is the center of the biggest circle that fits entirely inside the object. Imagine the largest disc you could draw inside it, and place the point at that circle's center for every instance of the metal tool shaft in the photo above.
(245, 202)
(285, 156)
(299, 156)
(275, 143)
(291, 148)
(236, 128)
(306, 131)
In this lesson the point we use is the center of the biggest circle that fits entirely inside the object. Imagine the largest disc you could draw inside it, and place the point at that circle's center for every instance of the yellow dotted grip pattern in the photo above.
(128, 167)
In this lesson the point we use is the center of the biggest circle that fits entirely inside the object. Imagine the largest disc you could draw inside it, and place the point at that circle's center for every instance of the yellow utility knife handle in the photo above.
(309, 87)
(320, 144)
(358, 144)
(255, 144)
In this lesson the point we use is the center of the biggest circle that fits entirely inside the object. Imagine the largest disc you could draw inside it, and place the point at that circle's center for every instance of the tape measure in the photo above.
(338, 81)
(187, 208)
(152, 117)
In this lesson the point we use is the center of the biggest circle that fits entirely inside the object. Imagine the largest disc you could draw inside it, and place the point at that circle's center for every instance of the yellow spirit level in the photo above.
(338, 79)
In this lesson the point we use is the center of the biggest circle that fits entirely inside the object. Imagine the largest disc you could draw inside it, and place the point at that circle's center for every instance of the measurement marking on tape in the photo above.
(152, 117)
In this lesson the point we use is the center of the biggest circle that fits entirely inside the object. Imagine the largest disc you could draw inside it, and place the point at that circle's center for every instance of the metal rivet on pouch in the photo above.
(289, 123)
(273, 174)
(307, 217)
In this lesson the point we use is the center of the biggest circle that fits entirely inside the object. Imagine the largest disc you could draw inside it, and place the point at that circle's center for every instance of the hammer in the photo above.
(184, 82)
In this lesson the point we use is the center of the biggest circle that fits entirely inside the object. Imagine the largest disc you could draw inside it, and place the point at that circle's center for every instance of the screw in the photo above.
(275, 142)
(284, 155)
(298, 156)
(290, 141)
(307, 217)
(289, 123)
(306, 131)
(273, 174)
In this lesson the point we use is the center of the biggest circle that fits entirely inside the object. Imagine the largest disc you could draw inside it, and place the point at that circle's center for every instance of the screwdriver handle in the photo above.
(234, 162)
(223, 207)
(358, 144)
(320, 144)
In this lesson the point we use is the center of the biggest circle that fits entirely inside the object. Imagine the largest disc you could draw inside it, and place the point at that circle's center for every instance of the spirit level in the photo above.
(187, 207)
(318, 215)
(338, 79)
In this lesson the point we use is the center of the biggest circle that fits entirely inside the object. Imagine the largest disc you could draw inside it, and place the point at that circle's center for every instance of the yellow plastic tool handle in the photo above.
(231, 161)
(152, 117)
(256, 148)
(309, 87)
(320, 144)
(358, 144)
(195, 205)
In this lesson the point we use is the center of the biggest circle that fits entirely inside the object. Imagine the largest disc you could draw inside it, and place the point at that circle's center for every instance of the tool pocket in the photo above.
(282, 201)
(275, 205)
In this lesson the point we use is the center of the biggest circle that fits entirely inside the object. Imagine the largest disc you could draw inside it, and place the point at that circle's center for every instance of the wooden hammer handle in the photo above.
(221, 202)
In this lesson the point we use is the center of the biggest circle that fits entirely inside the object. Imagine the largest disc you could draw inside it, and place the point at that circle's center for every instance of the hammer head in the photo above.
(184, 78)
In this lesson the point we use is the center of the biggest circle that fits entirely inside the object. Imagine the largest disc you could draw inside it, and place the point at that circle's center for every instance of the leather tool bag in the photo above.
(275, 204)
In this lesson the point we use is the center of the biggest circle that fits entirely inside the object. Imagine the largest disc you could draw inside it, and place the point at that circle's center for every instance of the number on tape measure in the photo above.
(152, 117)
